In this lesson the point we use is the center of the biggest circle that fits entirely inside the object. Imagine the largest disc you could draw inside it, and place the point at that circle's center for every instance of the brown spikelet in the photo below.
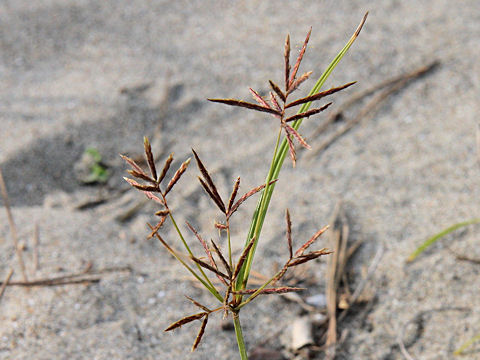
(177, 175)
(291, 150)
(299, 82)
(305, 246)
(308, 113)
(200, 333)
(185, 320)
(234, 194)
(291, 131)
(307, 257)
(274, 101)
(277, 90)
(286, 55)
(133, 164)
(208, 179)
(153, 197)
(208, 267)
(168, 162)
(246, 196)
(215, 199)
(319, 95)
(157, 227)
(278, 290)
(244, 104)
(196, 303)
(204, 244)
(243, 257)
(142, 176)
(162, 212)
(289, 233)
(259, 99)
(222, 259)
(220, 226)
(149, 155)
(299, 60)
(138, 186)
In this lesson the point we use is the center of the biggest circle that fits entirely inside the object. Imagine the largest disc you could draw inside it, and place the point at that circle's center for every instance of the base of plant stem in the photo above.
(239, 334)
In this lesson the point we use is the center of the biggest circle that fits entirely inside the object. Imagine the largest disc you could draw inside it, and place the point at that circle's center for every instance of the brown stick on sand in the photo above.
(13, 229)
(389, 86)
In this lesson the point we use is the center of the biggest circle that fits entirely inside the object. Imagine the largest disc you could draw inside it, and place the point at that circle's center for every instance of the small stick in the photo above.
(5, 283)
(392, 85)
(36, 237)
(371, 269)
(76, 278)
(13, 228)
(357, 97)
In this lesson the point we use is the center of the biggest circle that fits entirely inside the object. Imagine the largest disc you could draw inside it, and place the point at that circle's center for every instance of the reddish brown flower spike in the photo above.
(305, 246)
(299, 60)
(185, 320)
(289, 233)
(149, 155)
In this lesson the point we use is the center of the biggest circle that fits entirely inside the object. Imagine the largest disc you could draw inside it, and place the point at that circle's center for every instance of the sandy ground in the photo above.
(102, 74)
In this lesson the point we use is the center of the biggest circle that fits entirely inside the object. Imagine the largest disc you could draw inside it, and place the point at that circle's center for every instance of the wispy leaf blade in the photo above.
(430, 241)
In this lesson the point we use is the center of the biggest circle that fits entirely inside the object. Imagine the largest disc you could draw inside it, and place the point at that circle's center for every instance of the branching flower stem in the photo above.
(210, 286)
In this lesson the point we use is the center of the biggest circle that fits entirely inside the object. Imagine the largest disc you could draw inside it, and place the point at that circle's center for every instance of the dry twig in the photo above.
(390, 87)
(5, 282)
(76, 278)
(13, 228)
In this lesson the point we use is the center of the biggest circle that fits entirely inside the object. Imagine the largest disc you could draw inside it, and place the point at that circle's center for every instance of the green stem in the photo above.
(277, 162)
(229, 244)
(210, 287)
(238, 332)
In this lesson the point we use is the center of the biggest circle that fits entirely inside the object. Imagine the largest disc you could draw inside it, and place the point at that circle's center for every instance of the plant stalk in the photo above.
(238, 332)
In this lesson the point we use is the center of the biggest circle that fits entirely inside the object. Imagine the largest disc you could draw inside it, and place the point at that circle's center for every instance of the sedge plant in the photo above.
(225, 278)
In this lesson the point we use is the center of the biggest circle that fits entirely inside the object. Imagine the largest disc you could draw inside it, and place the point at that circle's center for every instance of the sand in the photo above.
(103, 74)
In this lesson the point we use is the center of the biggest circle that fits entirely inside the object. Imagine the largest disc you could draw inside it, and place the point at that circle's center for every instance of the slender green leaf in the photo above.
(466, 345)
(430, 241)
(279, 156)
